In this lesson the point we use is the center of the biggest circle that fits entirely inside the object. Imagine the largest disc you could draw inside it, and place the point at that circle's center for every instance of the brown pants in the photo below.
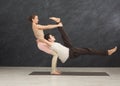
(75, 52)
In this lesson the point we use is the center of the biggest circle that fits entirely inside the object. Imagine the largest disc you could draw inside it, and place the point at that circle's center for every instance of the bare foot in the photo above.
(55, 19)
(58, 71)
(111, 51)
(55, 73)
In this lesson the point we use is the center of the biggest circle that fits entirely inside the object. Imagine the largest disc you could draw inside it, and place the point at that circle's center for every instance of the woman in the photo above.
(42, 43)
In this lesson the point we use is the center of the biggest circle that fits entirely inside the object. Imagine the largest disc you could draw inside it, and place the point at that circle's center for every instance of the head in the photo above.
(49, 37)
(33, 19)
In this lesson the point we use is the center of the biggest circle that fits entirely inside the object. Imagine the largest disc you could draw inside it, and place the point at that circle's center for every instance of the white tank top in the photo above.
(62, 51)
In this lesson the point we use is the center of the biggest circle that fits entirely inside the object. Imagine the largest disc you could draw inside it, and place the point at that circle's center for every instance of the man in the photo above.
(68, 51)
(42, 43)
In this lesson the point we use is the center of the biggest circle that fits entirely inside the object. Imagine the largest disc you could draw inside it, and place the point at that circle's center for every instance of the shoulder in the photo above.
(56, 43)
(37, 27)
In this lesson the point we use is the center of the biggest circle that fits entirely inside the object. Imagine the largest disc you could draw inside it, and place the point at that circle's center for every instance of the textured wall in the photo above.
(89, 23)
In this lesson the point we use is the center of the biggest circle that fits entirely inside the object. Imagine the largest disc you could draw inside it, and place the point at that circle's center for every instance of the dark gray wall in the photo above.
(89, 23)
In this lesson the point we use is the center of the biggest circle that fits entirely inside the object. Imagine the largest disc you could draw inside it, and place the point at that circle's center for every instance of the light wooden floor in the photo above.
(19, 76)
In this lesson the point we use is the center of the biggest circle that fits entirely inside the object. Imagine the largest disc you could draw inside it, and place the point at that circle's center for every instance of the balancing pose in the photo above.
(42, 43)
(68, 51)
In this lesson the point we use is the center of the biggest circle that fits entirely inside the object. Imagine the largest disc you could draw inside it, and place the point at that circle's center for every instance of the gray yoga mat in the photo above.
(73, 73)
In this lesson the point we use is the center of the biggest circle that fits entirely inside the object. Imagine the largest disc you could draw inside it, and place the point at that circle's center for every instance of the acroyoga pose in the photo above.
(68, 51)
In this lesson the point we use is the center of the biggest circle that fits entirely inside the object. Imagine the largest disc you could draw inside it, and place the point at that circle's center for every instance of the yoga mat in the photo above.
(73, 73)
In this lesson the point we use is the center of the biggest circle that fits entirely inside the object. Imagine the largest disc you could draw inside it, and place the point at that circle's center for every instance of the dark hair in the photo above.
(31, 17)
(47, 36)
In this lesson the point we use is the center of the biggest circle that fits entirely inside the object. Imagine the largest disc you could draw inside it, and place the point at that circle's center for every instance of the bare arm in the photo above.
(44, 27)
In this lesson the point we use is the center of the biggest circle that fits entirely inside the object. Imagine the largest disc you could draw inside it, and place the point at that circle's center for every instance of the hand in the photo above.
(60, 24)
(57, 20)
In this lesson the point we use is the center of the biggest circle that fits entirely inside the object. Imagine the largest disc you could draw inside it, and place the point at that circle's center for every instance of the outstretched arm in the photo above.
(44, 27)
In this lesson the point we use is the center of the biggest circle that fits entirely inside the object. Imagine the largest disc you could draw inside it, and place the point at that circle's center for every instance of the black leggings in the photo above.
(75, 52)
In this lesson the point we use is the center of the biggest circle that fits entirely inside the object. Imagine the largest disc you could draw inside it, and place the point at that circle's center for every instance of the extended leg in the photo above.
(75, 52)
(65, 37)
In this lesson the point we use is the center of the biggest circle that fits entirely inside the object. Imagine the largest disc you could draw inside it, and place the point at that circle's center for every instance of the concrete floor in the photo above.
(19, 76)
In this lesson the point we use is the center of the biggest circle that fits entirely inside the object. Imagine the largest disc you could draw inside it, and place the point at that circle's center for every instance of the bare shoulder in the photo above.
(36, 26)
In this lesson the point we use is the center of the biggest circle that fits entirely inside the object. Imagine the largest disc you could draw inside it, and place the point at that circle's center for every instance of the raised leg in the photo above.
(63, 34)
(75, 52)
